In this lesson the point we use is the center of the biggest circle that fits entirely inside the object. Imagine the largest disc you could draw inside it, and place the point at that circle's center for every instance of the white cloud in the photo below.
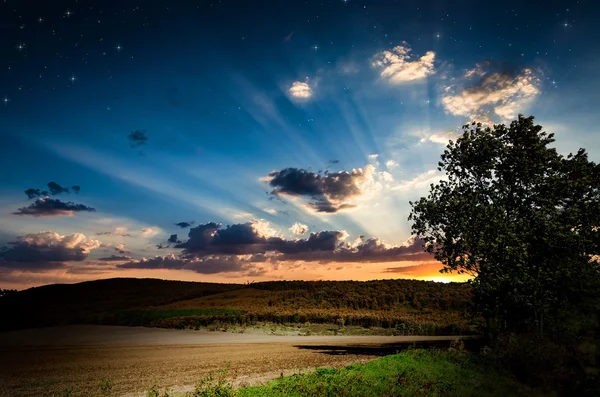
(373, 156)
(150, 231)
(299, 229)
(495, 93)
(76, 241)
(398, 67)
(300, 90)
(420, 181)
(120, 231)
(441, 137)
(122, 249)
(271, 211)
(391, 164)
(263, 228)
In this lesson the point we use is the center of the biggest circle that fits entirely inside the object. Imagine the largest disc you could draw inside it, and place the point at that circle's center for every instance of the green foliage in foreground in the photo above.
(412, 373)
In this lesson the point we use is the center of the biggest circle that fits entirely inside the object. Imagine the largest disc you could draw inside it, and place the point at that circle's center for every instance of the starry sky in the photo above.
(234, 140)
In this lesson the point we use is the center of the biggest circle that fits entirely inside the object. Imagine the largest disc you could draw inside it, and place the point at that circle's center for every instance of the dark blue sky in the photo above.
(238, 105)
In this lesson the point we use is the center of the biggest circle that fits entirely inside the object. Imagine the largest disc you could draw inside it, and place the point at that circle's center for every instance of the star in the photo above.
(40, 19)
(72, 79)
(119, 48)
(68, 13)
(5, 100)
(20, 47)
(316, 47)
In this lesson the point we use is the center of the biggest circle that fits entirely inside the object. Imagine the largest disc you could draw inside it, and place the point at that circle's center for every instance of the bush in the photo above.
(544, 363)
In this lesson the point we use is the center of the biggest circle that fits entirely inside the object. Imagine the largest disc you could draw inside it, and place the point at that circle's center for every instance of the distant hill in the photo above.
(408, 305)
(86, 302)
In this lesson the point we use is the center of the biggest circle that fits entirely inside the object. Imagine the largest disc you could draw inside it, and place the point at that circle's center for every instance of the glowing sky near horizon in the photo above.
(235, 141)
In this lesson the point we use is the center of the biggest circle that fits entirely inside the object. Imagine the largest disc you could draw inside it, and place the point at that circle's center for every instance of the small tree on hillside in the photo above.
(523, 220)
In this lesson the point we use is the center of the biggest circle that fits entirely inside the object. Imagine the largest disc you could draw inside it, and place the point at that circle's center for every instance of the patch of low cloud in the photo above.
(53, 189)
(121, 249)
(300, 90)
(173, 239)
(150, 231)
(491, 91)
(46, 250)
(391, 164)
(241, 248)
(118, 231)
(397, 65)
(419, 182)
(116, 258)
(327, 192)
(185, 225)
(47, 206)
(299, 229)
(441, 137)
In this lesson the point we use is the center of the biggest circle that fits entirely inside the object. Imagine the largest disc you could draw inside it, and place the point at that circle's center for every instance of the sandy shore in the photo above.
(48, 361)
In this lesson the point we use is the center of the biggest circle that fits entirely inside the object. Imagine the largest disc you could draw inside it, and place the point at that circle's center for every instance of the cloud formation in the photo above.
(489, 90)
(119, 231)
(185, 225)
(137, 138)
(328, 192)
(208, 265)
(121, 249)
(300, 90)
(47, 206)
(115, 258)
(173, 239)
(212, 248)
(150, 231)
(299, 229)
(46, 250)
(397, 66)
(53, 189)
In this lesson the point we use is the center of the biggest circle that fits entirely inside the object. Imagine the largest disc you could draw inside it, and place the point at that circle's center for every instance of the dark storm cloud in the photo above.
(115, 258)
(55, 188)
(185, 225)
(52, 207)
(323, 246)
(327, 191)
(241, 248)
(137, 138)
(33, 193)
(242, 239)
(334, 161)
(76, 188)
(173, 239)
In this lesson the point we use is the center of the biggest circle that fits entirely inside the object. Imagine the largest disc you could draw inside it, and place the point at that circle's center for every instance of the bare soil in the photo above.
(50, 361)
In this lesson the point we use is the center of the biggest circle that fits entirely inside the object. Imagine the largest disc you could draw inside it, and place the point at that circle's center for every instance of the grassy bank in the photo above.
(411, 373)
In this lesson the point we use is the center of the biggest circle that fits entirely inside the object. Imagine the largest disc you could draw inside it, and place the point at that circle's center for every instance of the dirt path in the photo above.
(46, 362)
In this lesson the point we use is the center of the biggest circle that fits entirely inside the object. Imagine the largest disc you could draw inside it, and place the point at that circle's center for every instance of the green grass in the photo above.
(416, 372)
(413, 373)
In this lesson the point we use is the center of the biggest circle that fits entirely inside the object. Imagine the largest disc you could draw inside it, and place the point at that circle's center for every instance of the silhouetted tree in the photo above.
(523, 220)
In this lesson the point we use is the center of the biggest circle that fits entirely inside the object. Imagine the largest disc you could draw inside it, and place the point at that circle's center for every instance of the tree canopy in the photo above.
(523, 220)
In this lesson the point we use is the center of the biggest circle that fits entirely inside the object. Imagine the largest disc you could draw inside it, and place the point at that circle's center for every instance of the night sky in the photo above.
(237, 140)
